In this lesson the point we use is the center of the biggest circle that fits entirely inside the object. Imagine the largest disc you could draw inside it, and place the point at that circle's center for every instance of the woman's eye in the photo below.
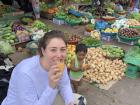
(53, 50)
(63, 50)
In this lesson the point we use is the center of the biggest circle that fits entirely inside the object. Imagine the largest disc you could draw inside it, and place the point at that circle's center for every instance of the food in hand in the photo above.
(61, 66)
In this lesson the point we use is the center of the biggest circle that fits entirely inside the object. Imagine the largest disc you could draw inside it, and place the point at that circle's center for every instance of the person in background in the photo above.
(136, 6)
(37, 80)
(78, 65)
(25, 5)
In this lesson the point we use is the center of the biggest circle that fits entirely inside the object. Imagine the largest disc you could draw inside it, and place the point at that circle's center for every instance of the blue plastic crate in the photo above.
(108, 36)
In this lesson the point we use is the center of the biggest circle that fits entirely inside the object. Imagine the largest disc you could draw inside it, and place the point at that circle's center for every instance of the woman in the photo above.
(37, 80)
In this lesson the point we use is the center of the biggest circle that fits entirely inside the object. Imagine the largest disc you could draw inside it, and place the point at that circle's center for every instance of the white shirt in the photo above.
(29, 85)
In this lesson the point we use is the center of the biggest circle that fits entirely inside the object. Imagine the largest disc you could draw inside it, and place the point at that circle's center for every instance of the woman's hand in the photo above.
(54, 75)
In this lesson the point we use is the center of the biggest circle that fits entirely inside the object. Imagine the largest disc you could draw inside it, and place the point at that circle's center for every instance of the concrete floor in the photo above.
(124, 92)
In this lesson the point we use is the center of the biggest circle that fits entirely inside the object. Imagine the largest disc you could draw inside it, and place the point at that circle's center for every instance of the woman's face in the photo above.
(54, 51)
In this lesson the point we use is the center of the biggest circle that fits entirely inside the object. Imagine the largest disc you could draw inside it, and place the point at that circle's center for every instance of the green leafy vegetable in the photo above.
(6, 48)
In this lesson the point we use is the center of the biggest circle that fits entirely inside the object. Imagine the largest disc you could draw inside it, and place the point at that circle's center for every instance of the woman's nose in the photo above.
(59, 54)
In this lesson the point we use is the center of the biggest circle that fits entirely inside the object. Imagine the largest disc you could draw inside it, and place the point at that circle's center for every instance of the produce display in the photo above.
(89, 27)
(110, 30)
(43, 6)
(51, 10)
(81, 1)
(6, 9)
(132, 22)
(72, 20)
(21, 33)
(70, 54)
(27, 20)
(103, 70)
(17, 27)
(37, 34)
(74, 39)
(6, 48)
(95, 34)
(7, 35)
(120, 23)
(107, 18)
(89, 41)
(85, 20)
(40, 25)
(135, 16)
(129, 32)
(113, 51)
(60, 15)
(139, 41)
(23, 36)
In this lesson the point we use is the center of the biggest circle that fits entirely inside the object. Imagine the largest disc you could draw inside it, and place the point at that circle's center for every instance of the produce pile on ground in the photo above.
(129, 32)
(7, 35)
(113, 51)
(21, 33)
(6, 48)
(103, 70)
(89, 41)
(70, 54)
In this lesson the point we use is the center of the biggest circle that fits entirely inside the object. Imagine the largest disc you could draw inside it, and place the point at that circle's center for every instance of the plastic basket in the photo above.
(132, 71)
(129, 41)
(73, 23)
(136, 27)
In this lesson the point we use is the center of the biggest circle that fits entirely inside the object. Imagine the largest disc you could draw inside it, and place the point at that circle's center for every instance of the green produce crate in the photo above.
(132, 71)
(129, 41)
(136, 27)
(108, 36)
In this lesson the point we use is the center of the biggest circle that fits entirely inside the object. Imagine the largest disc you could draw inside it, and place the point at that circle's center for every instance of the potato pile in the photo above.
(103, 70)
(132, 22)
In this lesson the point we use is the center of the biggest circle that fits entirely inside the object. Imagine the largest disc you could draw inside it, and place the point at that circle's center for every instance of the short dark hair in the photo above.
(43, 42)
(81, 48)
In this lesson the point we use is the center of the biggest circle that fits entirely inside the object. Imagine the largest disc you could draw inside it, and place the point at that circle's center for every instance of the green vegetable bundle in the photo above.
(40, 25)
(6, 48)
(90, 42)
(60, 15)
(113, 51)
(134, 15)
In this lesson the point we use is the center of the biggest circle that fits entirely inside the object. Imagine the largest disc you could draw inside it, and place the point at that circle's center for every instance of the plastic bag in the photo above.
(133, 56)
(101, 24)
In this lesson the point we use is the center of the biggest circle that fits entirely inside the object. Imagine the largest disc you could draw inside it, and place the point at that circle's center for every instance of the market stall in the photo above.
(107, 62)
